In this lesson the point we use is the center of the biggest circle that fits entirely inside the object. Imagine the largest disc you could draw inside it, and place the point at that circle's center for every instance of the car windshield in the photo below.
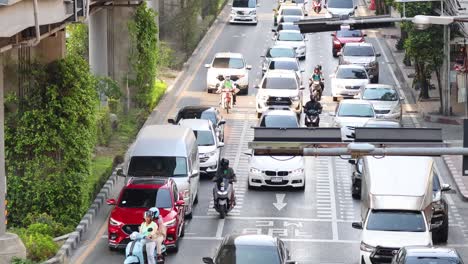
(205, 115)
(281, 52)
(145, 198)
(351, 73)
(396, 221)
(157, 166)
(284, 65)
(228, 63)
(349, 33)
(204, 137)
(280, 121)
(290, 36)
(365, 51)
(210, 115)
(380, 94)
(431, 260)
(355, 110)
(291, 12)
(290, 19)
(279, 83)
(244, 3)
(288, 26)
(340, 4)
(248, 254)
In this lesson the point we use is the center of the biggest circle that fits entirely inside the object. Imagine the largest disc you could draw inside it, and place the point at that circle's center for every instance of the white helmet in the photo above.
(134, 235)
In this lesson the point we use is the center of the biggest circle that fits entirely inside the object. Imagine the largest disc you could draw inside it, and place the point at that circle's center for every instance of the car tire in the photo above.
(250, 187)
(196, 200)
(189, 216)
(441, 234)
(335, 99)
(375, 79)
(182, 232)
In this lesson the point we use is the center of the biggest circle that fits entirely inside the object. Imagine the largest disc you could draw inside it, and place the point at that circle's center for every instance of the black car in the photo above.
(423, 255)
(258, 249)
(202, 112)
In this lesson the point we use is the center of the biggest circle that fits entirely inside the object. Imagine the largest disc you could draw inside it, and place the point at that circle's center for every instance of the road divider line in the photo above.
(219, 230)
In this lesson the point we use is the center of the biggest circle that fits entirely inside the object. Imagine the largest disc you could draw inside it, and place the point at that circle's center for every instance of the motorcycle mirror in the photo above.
(207, 260)
(301, 87)
(207, 65)
(248, 67)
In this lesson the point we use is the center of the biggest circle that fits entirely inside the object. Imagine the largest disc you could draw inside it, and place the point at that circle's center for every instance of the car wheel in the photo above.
(176, 246)
(250, 187)
(196, 200)
(182, 232)
(335, 99)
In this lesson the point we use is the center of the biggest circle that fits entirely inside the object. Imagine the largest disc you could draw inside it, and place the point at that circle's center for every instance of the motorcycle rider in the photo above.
(144, 229)
(161, 232)
(224, 171)
(318, 76)
(313, 105)
(228, 84)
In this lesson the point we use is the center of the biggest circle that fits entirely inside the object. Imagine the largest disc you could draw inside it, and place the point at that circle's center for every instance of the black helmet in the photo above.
(312, 98)
(224, 163)
(319, 67)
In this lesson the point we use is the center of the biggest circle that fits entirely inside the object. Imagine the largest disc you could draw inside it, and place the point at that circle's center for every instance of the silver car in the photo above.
(361, 54)
(385, 99)
(350, 114)
(293, 39)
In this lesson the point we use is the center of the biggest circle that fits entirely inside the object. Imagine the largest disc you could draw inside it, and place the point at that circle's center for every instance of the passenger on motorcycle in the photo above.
(161, 232)
(229, 84)
(224, 171)
(313, 105)
(145, 228)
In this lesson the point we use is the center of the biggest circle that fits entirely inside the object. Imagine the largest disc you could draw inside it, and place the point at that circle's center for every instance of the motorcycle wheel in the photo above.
(222, 212)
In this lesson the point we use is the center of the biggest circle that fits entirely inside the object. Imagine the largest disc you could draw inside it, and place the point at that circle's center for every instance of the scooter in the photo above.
(312, 118)
(222, 196)
(316, 90)
(134, 252)
(317, 6)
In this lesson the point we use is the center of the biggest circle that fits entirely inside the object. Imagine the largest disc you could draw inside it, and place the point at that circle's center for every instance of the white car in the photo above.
(350, 114)
(348, 81)
(289, 10)
(385, 99)
(279, 88)
(209, 146)
(227, 63)
(244, 11)
(278, 171)
(340, 8)
(294, 39)
(291, 64)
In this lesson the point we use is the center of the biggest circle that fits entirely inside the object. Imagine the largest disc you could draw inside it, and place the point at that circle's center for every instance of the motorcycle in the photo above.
(135, 250)
(317, 6)
(223, 196)
(227, 95)
(312, 118)
(316, 90)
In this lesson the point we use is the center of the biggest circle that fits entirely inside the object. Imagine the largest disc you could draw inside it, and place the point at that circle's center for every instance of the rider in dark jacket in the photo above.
(313, 105)
(224, 171)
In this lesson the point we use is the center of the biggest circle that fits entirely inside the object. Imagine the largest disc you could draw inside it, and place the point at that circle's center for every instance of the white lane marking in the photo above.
(287, 240)
(254, 218)
(219, 230)
(332, 199)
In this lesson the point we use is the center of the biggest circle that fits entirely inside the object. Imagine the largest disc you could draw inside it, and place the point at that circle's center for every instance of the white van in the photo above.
(244, 11)
(167, 151)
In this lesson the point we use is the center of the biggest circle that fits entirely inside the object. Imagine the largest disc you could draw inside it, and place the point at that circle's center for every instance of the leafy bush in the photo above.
(58, 229)
(17, 260)
(39, 247)
(100, 172)
(50, 141)
(40, 228)
(159, 88)
(104, 129)
(77, 40)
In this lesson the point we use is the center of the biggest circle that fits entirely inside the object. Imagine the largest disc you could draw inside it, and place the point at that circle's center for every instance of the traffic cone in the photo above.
(372, 5)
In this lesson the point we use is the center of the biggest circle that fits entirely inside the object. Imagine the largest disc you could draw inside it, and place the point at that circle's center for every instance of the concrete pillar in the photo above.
(10, 244)
(51, 49)
(98, 58)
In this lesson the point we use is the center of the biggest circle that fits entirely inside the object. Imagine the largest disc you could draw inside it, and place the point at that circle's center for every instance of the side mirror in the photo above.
(111, 201)
(290, 262)
(257, 87)
(195, 173)
(171, 121)
(445, 187)
(402, 98)
(220, 144)
(357, 225)
(207, 65)
(221, 122)
(120, 172)
(262, 56)
(301, 87)
(273, 30)
(248, 67)
(306, 14)
(352, 162)
(355, 7)
(180, 203)
(207, 260)
(378, 54)
(302, 70)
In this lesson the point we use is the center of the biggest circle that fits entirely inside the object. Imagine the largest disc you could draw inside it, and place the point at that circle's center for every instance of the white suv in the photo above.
(279, 88)
(209, 147)
(227, 63)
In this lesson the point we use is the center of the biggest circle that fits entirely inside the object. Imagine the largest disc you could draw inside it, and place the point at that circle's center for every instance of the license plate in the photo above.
(276, 179)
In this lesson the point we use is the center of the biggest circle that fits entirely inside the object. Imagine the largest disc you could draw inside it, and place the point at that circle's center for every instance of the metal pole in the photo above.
(449, 93)
(3, 187)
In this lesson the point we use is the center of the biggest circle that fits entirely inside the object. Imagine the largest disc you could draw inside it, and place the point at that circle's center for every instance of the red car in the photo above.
(139, 195)
(343, 36)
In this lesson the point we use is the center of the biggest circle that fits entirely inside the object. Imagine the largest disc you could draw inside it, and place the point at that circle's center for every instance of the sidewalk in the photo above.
(426, 110)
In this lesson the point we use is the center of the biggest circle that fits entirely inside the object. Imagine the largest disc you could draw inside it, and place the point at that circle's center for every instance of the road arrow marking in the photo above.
(279, 201)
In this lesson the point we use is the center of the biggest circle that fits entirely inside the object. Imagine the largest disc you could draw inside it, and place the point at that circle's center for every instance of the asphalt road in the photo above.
(315, 223)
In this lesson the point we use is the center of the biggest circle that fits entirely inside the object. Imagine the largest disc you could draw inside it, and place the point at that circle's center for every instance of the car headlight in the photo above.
(367, 248)
(253, 12)
(297, 171)
(209, 154)
(233, 12)
(255, 170)
(340, 86)
(395, 110)
(170, 223)
(295, 98)
(114, 222)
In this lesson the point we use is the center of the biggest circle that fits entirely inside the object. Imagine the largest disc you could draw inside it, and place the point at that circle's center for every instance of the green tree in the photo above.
(77, 40)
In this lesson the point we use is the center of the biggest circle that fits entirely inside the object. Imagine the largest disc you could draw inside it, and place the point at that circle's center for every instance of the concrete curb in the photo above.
(74, 238)
(442, 119)
(457, 177)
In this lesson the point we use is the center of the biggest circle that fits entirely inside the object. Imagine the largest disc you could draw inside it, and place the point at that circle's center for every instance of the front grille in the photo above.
(273, 100)
(276, 183)
(383, 255)
(129, 229)
(240, 13)
(355, 87)
(276, 173)
(382, 111)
